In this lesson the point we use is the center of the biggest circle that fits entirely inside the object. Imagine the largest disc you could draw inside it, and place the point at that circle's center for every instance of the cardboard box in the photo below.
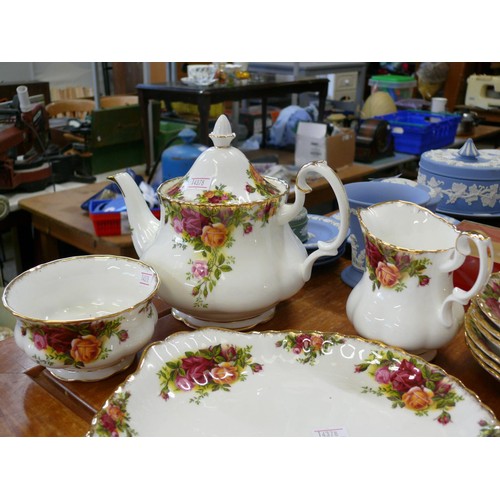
(341, 148)
(313, 144)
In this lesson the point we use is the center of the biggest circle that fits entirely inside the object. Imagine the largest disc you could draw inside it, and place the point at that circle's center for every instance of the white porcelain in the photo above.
(84, 318)
(223, 246)
(214, 382)
(201, 73)
(482, 346)
(488, 299)
(194, 83)
(406, 296)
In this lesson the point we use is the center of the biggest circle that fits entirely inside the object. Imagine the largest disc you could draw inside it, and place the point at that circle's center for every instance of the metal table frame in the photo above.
(204, 97)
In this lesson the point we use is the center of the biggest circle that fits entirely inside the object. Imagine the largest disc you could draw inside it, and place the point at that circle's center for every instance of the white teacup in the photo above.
(84, 318)
(201, 74)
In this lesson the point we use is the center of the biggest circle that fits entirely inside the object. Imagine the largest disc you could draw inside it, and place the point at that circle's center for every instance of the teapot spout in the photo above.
(143, 224)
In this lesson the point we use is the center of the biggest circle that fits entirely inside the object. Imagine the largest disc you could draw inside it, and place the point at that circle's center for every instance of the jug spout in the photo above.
(143, 224)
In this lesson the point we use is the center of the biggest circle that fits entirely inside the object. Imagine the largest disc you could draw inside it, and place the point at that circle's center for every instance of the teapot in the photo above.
(223, 247)
(406, 297)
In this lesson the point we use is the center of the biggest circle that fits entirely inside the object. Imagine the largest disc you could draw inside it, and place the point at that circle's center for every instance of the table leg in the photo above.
(322, 103)
(264, 122)
(143, 105)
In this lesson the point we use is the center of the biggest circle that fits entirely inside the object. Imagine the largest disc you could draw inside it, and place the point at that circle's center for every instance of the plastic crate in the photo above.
(415, 132)
(110, 223)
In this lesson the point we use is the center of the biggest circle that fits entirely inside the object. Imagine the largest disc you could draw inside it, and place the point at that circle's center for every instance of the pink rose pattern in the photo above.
(205, 371)
(209, 226)
(308, 346)
(390, 268)
(114, 420)
(411, 385)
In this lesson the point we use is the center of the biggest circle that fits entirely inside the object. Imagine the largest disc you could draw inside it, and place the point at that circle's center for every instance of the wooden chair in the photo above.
(114, 101)
(71, 108)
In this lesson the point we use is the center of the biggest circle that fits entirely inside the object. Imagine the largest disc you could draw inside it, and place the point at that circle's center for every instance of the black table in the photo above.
(258, 87)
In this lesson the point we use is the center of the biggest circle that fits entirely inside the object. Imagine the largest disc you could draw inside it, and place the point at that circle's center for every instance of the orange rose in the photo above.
(115, 413)
(225, 373)
(214, 235)
(418, 398)
(85, 349)
(316, 342)
(387, 274)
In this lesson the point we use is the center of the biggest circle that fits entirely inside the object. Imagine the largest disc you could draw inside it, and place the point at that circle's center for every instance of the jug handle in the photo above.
(301, 189)
(462, 248)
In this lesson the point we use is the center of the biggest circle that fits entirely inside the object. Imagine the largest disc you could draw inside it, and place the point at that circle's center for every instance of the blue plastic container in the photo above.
(415, 132)
(177, 160)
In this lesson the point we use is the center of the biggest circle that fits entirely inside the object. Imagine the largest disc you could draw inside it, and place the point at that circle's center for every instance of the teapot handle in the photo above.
(301, 189)
(485, 252)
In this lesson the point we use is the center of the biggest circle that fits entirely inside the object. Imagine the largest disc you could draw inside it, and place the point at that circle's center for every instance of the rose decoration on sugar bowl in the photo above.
(84, 318)
(223, 247)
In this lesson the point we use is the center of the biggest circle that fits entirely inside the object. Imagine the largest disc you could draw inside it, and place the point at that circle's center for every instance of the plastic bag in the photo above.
(284, 129)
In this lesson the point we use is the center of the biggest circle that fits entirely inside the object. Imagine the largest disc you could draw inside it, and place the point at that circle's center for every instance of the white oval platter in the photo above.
(216, 382)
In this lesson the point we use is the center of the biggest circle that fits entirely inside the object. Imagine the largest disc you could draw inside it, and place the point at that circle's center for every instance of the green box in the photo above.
(116, 141)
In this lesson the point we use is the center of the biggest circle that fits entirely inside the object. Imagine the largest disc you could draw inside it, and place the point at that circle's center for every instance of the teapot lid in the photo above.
(222, 174)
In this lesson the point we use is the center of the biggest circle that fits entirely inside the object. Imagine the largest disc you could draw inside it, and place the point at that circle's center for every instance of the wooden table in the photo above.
(481, 133)
(57, 217)
(34, 403)
(259, 87)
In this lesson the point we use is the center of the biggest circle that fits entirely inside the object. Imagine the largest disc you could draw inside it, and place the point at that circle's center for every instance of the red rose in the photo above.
(60, 338)
(196, 368)
(373, 255)
(406, 376)
(193, 222)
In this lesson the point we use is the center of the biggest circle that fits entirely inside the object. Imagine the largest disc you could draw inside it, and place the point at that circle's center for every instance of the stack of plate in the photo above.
(482, 326)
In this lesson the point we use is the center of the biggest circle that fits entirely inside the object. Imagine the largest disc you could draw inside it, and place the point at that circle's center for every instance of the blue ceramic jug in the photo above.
(177, 160)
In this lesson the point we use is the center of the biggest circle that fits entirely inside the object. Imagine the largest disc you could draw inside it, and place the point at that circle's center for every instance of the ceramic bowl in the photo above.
(435, 195)
(201, 73)
(84, 318)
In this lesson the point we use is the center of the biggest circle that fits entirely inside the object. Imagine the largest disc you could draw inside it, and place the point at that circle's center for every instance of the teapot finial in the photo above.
(469, 150)
(222, 135)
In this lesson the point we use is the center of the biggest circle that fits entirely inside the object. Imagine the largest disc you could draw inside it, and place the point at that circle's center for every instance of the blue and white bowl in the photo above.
(467, 178)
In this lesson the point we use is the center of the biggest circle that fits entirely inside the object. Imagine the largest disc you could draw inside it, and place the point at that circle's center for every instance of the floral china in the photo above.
(191, 82)
(488, 299)
(223, 247)
(214, 382)
(84, 318)
(481, 349)
(202, 74)
(406, 296)
(483, 323)
(467, 178)
(482, 359)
